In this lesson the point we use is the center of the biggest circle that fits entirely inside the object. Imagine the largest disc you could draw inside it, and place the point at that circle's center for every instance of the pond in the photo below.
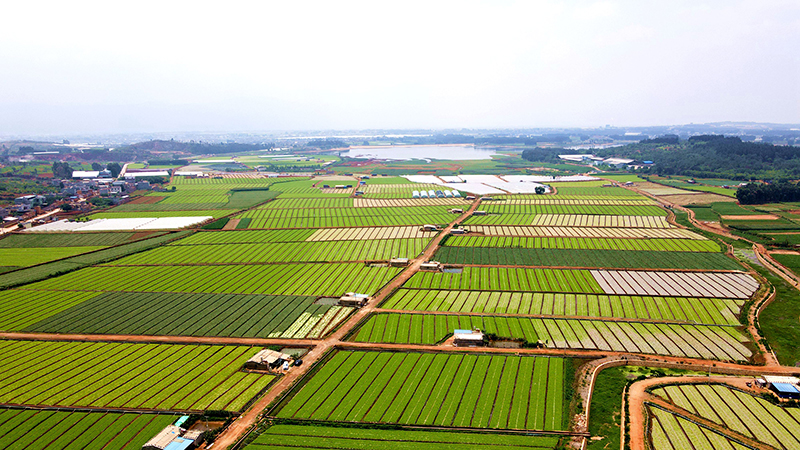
(407, 152)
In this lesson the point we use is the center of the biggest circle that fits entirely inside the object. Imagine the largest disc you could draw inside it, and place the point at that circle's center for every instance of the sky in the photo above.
(126, 67)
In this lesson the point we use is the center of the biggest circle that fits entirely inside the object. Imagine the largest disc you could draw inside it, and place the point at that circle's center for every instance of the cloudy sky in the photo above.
(110, 67)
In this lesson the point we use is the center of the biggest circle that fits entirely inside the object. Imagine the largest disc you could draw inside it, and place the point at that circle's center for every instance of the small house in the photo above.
(430, 266)
(354, 300)
(783, 387)
(267, 359)
(163, 438)
(458, 231)
(415, 194)
(470, 197)
(456, 211)
(456, 193)
(469, 338)
(479, 213)
(430, 227)
(398, 262)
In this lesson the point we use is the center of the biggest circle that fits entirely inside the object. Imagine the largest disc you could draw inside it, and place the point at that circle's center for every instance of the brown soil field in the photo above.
(783, 252)
(750, 217)
(146, 200)
(696, 199)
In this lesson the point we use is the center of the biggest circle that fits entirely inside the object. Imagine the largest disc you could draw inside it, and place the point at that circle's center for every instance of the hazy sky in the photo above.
(106, 67)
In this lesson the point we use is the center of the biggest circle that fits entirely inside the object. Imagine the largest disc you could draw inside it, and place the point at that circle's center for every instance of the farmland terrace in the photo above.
(112, 334)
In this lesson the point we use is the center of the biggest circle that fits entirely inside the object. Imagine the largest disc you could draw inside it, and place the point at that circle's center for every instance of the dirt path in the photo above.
(638, 397)
(238, 429)
(232, 224)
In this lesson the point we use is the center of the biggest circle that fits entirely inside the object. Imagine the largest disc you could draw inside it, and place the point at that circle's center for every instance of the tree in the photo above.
(115, 169)
(97, 166)
(539, 190)
(62, 170)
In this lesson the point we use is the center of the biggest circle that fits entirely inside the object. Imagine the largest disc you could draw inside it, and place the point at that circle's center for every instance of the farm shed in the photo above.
(479, 213)
(433, 266)
(267, 359)
(458, 231)
(354, 299)
(163, 438)
(456, 211)
(786, 390)
(469, 338)
(398, 262)
(429, 227)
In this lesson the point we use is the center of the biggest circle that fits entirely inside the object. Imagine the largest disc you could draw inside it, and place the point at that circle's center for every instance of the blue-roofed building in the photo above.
(181, 421)
(179, 444)
(786, 390)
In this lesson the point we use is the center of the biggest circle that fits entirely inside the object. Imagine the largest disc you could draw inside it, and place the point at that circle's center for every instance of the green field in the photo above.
(271, 279)
(31, 256)
(178, 213)
(666, 245)
(694, 341)
(500, 392)
(299, 437)
(347, 217)
(43, 240)
(251, 253)
(262, 316)
(674, 309)
(142, 376)
(508, 279)
(58, 430)
(19, 309)
(616, 259)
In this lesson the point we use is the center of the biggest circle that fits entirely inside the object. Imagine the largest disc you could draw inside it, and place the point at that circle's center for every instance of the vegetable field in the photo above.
(738, 411)
(475, 391)
(58, 430)
(508, 279)
(671, 432)
(328, 251)
(19, 308)
(577, 232)
(615, 259)
(273, 279)
(228, 315)
(142, 376)
(676, 309)
(693, 341)
(49, 240)
(319, 437)
(666, 245)
(504, 209)
(346, 217)
(30, 256)
(573, 220)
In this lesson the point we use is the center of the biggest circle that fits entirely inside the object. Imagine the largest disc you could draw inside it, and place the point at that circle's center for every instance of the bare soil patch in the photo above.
(696, 199)
(783, 252)
(750, 217)
(146, 200)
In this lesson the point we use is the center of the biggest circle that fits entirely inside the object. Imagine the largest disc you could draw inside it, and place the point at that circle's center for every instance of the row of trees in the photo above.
(756, 193)
(63, 170)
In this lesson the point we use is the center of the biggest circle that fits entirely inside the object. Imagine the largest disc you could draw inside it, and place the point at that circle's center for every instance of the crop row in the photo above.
(366, 233)
(264, 213)
(303, 203)
(570, 220)
(476, 391)
(508, 279)
(179, 213)
(738, 411)
(211, 315)
(597, 210)
(676, 284)
(278, 252)
(274, 279)
(39, 240)
(670, 432)
(564, 191)
(680, 309)
(25, 257)
(614, 233)
(408, 202)
(667, 245)
(115, 375)
(557, 200)
(694, 341)
(345, 222)
(19, 309)
(330, 438)
(617, 259)
(245, 237)
(34, 429)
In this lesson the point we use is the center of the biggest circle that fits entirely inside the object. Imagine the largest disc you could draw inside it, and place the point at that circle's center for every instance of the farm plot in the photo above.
(155, 214)
(676, 284)
(751, 416)
(245, 237)
(581, 209)
(329, 438)
(30, 256)
(693, 341)
(556, 200)
(666, 245)
(396, 190)
(273, 279)
(667, 431)
(577, 232)
(675, 309)
(278, 252)
(474, 391)
(366, 233)
(308, 203)
(347, 217)
(18, 309)
(263, 316)
(585, 220)
(617, 259)
(507, 279)
(567, 191)
(114, 375)
(51, 240)
(406, 202)
(58, 430)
